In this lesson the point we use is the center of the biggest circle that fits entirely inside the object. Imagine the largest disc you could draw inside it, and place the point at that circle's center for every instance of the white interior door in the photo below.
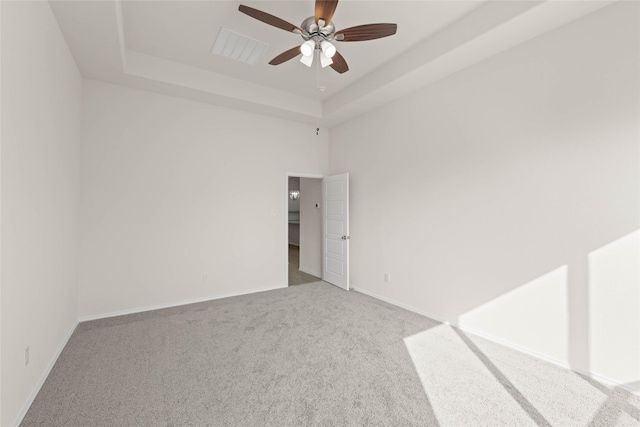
(335, 242)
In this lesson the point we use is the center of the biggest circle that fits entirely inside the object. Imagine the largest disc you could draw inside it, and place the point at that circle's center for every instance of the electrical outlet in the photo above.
(26, 356)
(387, 278)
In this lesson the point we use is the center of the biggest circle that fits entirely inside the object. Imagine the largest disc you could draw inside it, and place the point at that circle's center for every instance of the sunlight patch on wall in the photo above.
(533, 316)
(614, 307)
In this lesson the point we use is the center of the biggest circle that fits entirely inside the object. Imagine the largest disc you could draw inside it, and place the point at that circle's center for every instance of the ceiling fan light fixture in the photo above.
(328, 49)
(307, 60)
(307, 48)
(319, 31)
(325, 60)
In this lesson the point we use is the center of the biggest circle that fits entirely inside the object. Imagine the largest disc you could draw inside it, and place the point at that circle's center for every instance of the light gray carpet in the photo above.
(308, 355)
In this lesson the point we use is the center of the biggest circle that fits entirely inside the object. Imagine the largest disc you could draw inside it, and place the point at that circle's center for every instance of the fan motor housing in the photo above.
(313, 31)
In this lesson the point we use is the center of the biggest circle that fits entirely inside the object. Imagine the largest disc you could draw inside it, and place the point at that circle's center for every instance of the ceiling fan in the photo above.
(318, 32)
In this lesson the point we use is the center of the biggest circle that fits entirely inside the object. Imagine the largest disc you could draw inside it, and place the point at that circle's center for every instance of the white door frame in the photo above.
(286, 217)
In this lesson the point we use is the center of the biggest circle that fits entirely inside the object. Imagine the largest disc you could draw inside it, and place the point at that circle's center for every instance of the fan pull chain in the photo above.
(318, 95)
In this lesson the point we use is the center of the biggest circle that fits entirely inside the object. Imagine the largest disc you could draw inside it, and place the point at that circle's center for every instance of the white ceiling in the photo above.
(184, 31)
(164, 46)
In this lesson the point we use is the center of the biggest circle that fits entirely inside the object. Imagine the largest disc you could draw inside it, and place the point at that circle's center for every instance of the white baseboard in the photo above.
(562, 364)
(311, 272)
(398, 304)
(557, 362)
(173, 304)
(43, 377)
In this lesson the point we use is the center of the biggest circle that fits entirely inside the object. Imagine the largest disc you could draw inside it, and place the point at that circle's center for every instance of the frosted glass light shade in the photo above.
(307, 60)
(307, 48)
(328, 49)
(325, 60)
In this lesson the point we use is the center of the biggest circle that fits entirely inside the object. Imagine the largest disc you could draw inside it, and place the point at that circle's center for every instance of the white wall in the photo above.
(311, 226)
(0, 214)
(489, 195)
(41, 114)
(174, 189)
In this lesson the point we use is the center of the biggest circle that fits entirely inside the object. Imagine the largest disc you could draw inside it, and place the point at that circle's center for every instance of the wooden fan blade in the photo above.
(366, 32)
(339, 64)
(269, 19)
(285, 56)
(325, 10)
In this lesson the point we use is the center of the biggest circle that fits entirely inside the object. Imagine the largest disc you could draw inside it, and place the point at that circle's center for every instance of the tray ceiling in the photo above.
(165, 46)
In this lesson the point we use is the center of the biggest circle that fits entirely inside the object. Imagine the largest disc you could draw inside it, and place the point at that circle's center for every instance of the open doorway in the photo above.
(304, 229)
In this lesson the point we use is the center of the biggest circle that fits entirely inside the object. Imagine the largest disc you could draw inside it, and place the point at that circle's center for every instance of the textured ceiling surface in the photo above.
(165, 46)
(185, 31)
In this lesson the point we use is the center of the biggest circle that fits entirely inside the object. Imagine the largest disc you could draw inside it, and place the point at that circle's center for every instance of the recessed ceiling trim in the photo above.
(238, 47)
(97, 26)
(163, 73)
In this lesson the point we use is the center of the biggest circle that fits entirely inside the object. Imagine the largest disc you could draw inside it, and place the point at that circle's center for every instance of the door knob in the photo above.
(345, 237)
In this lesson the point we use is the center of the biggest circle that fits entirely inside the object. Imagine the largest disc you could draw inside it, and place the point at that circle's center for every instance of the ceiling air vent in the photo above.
(238, 47)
